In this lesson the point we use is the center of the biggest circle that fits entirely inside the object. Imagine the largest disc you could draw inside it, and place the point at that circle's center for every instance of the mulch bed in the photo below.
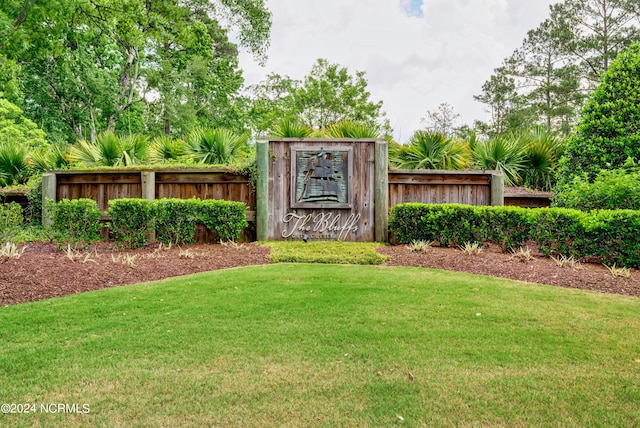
(42, 272)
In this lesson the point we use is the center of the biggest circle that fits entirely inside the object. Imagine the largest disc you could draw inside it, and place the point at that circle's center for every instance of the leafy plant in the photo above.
(216, 146)
(430, 150)
(420, 246)
(471, 248)
(14, 167)
(619, 272)
(10, 221)
(165, 149)
(291, 128)
(76, 221)
(522, 254)
(348, 128)
(570, 261)
(503, 153)
(616, 189)
(131, 221)
(175, 220)
(226, 218)
(9, 250)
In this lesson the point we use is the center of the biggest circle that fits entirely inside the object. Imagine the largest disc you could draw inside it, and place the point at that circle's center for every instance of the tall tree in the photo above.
(328, 94)
(443, 120)
(608, 134)
(89, 62)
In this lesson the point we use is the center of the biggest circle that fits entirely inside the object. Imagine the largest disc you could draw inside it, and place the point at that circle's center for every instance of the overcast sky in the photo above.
(416, 54)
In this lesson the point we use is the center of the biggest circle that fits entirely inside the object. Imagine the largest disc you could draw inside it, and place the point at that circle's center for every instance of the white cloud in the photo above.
(412, 63)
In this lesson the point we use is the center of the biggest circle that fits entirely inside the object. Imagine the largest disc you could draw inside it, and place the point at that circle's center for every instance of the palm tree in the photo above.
(291, 128)
(166, 149)
(348, 128)
(542, 153)
(46, 158)
(217, 146)
(431, 150)
(13, 163)
(502, 153)
(110, 150)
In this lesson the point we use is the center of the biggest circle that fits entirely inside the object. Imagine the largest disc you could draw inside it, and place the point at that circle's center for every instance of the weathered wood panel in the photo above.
(286, 222)
(439, 187)
(104, 186)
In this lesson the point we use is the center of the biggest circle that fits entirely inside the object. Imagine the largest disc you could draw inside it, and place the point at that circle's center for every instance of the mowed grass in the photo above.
(325, 345)
(330, 252)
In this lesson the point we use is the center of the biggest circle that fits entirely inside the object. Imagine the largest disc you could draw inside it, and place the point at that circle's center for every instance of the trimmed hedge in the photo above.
(610, 236)
(76, 221)
(611, 190)
(226, 218)
(175, 220)
(131, 221)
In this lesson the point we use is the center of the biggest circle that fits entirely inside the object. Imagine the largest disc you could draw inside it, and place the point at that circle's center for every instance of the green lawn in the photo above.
(325, 345)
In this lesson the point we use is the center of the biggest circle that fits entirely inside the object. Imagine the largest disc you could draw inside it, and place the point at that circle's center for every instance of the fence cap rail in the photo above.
(136, 170)
(444, 171)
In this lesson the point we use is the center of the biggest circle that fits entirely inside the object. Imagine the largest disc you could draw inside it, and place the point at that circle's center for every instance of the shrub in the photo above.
(10, 221)
(608, 132)
(131, 221)
(175, 220)
(34, 198)
(606, 235)
(76, 221)
(611, 190)
(224, 217)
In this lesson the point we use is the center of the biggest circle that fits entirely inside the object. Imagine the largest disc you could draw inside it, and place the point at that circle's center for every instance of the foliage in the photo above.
(545, 80)
(110, 150)
(333, 252)
(76, 222)
(556, 231)
(428, 150)
(13, 163)
(441, 121)
(164, 149)
(131, 221)
(609, 130)
(611, 190)
(328, 94)
(542, 153)
(10, 221)
(16, 127)
(290, 128)
(175, 220)
(348, 128)
(34, 199)
(217, 146)
(89, 66)
(226, 218)
(502, 153)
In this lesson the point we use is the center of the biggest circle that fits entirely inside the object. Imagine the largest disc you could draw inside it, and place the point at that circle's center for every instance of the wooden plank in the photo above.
(438, 179)
(200, 177)
(262, 190)
(98, 178)
(381, 197)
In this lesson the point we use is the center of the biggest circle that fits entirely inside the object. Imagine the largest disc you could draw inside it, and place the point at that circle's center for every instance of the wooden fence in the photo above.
(440, 187)
(427, 186)
(105, 185)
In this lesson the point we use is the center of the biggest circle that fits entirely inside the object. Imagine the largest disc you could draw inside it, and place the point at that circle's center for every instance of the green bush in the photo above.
(34, 198)
(10, 221)
(175, 220)
(76, 221)
(603, 235)
(226, 218)
(131, 221)
(608, 131)
(611, 190)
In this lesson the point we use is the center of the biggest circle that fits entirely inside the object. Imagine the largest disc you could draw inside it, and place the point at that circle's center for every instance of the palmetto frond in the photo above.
(216, 146)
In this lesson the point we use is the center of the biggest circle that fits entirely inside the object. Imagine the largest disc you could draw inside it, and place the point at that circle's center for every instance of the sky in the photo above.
(416, 54)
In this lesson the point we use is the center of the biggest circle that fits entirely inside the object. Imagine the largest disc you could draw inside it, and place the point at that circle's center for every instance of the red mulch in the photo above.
(42, 272)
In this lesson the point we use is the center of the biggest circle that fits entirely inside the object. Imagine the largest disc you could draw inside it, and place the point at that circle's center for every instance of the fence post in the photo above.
(497, 188)
(48, 196)
(262, 191)
(381, 192)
